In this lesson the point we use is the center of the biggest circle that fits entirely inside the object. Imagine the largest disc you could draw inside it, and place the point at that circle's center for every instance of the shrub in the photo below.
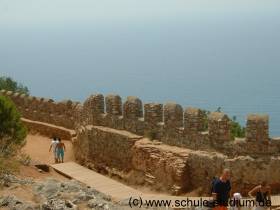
(12, 131)
(24, 159)
(8, 83)
(236, 130)
(205, 114)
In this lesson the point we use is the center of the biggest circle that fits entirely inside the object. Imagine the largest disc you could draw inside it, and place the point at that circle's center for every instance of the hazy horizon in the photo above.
(197, 53)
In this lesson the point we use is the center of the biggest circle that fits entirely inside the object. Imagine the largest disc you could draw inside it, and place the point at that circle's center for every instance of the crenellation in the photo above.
(257, 128)
(113, 104)
(61, 107)
(168, 123)
(193, 121)
(43, 109)
(170, 129)
(153, 116)
(133, 108)
(98, 104)
(35, 104)
(94, 108)
(153, 113)
(67, 104)
(133, 115)
(113, 141)
(219, 127)
(173, 116)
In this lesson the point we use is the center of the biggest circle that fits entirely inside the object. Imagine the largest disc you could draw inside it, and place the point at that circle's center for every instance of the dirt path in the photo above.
(37, 147)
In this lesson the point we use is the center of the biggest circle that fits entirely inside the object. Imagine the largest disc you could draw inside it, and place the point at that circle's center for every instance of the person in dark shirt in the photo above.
(221, 190)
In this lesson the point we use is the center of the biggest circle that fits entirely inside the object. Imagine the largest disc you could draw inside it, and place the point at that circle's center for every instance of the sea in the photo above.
(200, 54)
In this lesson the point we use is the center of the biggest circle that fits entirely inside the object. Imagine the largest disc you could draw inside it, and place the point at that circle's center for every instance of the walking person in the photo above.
(54, 142)
(60, 149)
(221, 190)
(262, 194)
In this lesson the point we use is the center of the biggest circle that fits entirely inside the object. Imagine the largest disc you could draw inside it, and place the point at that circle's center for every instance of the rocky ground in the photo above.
(34, 189)
(52, 194)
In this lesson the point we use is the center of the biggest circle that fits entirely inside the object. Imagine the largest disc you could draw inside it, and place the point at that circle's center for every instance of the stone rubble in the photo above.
(52, 194)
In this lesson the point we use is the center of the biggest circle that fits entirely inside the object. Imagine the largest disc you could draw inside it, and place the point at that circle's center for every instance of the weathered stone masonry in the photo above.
(178, 157)
(44, 110)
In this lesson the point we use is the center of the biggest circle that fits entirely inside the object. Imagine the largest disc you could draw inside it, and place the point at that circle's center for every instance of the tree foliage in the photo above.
(236, 130)
(8, 83)
(12, 130)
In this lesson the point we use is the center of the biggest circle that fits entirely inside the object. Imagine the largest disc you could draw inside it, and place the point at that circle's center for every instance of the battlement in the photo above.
(183, 151)
(169, 122)
(156, 117)
(257, 128)
(61, 113)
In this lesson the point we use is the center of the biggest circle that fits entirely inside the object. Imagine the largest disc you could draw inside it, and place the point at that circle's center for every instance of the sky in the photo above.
(197, 53)
(44, 12)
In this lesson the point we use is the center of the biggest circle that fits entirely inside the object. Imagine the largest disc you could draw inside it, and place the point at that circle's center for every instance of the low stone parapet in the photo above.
(49, 130)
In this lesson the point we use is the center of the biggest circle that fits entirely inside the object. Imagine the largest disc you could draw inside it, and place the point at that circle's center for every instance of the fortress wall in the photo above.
(167, 123)
(152, 119)
(132, 158)
(48, 130)
(81, 145)
(162, 167)
(193, 121)
(180, 154)
(110, 148)
(44, 110)
(171, 125)
(133, 115)
(219, 127)
(257, 128)
(246, 172)
(93, 109)
(167, 168)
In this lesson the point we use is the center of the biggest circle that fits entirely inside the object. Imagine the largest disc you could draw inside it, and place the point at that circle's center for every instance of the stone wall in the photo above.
(171, 169)
(246, 171)
(257, 128)
(161, 167)
(110, 147)
(48, 130)
(134, 159)
(44, 110)
(167, 123)
(160, 145)
(185, 157)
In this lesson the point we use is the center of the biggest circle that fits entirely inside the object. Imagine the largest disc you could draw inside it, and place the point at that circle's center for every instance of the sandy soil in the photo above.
(32, 172)
(37, 147)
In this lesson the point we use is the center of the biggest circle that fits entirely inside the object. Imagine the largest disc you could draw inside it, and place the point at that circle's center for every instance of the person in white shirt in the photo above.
(54, 142)
(237, 198)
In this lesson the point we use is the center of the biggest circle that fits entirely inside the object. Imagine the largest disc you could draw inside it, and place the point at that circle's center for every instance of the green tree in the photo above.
(205, 114)
(12, 130)
(236, 129)
(8, 83)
